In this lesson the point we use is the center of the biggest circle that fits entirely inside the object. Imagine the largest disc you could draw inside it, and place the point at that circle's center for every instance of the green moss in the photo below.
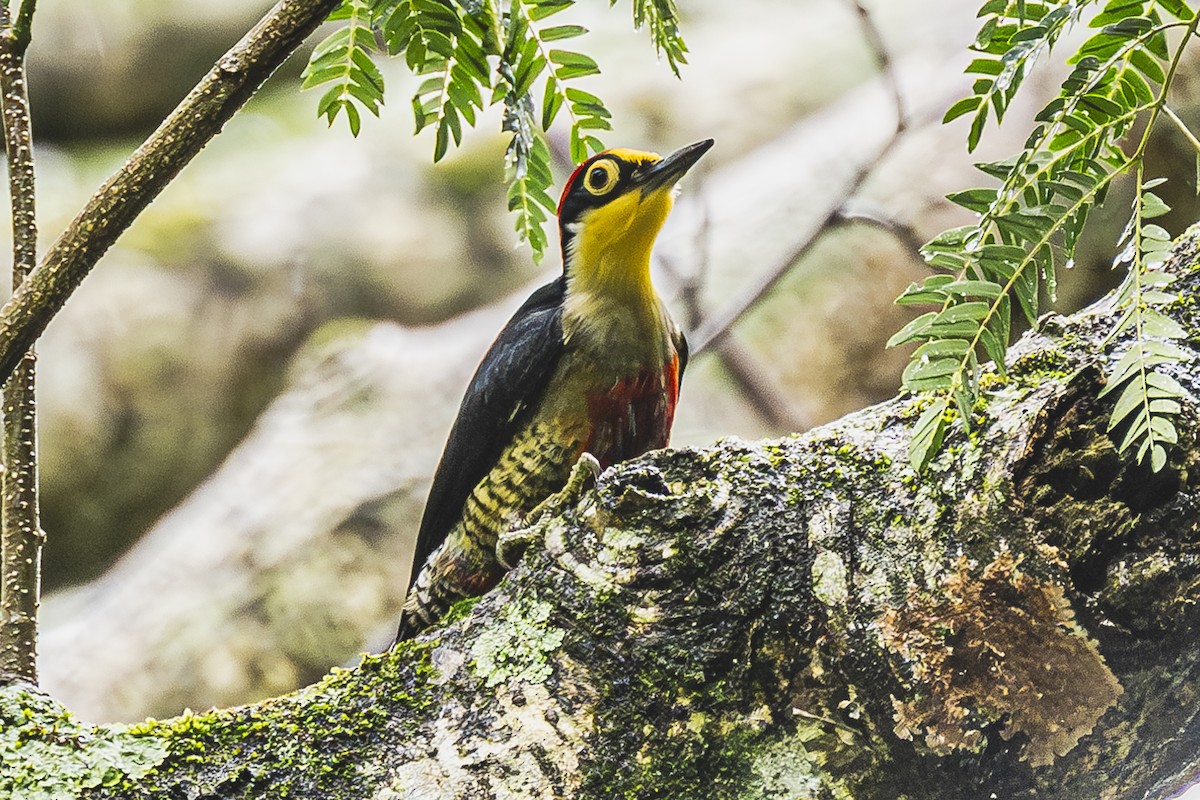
(458, 611)
(47, 755)
(687, 755)
(842, 465)
(915, 407)
(1041, 364)
(670, 721)
(315, 734)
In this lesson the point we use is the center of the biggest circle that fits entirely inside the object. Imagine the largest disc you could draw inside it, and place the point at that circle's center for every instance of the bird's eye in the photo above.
(602, 177)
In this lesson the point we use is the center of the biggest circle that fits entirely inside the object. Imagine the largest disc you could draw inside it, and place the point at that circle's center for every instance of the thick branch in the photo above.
(797, 618)
(21, 535)
(152, 166)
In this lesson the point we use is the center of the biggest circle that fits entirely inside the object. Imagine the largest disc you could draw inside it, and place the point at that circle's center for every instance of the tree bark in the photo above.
(795, 618)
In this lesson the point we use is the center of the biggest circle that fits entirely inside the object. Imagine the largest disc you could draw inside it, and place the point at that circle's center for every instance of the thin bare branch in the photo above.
(200, 117)
(719, 326)
(757, 388)
(689, 284)
(762, 392)
(903, 232)
(21, 536)
(1183, 128)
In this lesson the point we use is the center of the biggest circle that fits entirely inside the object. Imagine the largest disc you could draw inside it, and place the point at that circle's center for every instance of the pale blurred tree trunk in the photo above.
(40, 291)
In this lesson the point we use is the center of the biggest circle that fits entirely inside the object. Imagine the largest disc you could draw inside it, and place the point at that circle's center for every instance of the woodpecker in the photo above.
(589, 364)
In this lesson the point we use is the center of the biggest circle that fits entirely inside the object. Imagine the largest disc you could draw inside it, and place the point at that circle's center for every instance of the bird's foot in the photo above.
(583, 476)
(512, 543)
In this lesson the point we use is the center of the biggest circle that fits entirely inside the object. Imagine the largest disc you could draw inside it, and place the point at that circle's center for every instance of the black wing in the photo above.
(507, 385)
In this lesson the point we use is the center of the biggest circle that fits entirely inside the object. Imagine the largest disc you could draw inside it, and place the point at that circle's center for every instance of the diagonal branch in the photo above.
(738, 620)
(883, 61)
(717, 327)
(197, 119)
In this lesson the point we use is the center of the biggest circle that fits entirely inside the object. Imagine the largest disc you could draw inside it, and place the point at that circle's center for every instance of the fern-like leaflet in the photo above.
(343, 59)
(661, 17)
(1032, 222)
(526, 56)
(1149, 397)
(449, 49)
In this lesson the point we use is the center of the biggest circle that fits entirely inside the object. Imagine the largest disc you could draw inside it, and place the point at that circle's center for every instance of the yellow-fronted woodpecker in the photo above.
(591, 363)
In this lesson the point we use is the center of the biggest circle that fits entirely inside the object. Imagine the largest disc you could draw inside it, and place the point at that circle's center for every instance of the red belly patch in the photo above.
(634, 415)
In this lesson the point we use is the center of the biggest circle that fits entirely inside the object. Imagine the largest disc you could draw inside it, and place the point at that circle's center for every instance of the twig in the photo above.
(690, 284)
(21, 536)
(200, 117)
(1182, 126)
(760, 391)
(883, 60)
(756, 387)
(902, 232)
(719, 327)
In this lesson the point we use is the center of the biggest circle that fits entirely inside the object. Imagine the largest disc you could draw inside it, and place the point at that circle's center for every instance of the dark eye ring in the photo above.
(601, 178)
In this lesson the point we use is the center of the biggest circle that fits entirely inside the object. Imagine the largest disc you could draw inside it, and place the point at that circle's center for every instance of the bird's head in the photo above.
(611, 211)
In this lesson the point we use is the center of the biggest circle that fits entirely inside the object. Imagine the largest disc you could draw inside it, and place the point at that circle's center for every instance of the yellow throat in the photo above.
(610, 253)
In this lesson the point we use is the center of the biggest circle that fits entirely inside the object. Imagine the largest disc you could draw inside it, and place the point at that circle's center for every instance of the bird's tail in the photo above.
(424, 604)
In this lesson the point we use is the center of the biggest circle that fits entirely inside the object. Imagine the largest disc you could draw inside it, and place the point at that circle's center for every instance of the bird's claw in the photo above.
(511, 544)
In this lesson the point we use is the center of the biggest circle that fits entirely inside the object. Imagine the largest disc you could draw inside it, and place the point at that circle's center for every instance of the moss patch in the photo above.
(47, 755)
(460, 610)
(308, 744)
(682, 754)
(679, 714)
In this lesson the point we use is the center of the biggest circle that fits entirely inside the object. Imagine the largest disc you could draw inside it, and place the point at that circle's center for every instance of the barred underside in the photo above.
(535, 466)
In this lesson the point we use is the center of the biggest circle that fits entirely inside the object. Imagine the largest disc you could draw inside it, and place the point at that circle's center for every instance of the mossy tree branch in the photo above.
(796, 618)
(21, 534)
(197, 119)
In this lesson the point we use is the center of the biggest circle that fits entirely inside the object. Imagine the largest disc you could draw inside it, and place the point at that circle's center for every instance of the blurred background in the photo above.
(242, 406)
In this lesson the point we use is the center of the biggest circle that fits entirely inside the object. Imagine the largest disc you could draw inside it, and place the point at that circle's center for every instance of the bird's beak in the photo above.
(667, 172)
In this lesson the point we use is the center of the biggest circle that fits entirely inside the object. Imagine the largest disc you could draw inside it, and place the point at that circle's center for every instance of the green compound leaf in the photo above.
(661, 19)
(343, 59)
(1149, 398)
(1029, 225)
